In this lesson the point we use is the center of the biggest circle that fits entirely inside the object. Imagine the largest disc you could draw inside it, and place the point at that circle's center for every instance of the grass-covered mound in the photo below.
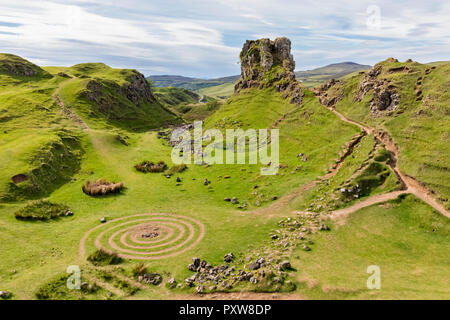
(42, 210)
(103, 258)
(16, 66)
(56, 289)
(148, 166)
(101, 187)
(49, 166)
(105, 96)
(177, 169)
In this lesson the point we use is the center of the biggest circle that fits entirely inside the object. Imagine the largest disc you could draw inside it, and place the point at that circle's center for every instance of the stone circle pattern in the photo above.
(147, 236)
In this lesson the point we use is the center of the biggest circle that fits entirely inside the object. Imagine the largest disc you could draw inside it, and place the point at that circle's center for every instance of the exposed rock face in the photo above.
(322, 93)
(136, 90)
(385, 95)
(266, 63)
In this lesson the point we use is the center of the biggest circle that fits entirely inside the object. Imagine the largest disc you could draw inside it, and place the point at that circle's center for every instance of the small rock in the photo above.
(109, 294)
(200, 289)
(228, 257)
(254, 266)
(103, 220)
(5, 294)
(306, 248)
(285, 265)
(234, 200)
(178, 179)
(69, 213)
(227, 199)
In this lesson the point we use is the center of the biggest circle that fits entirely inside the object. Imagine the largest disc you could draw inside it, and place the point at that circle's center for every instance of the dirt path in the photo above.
(412, 185)
(69, 113)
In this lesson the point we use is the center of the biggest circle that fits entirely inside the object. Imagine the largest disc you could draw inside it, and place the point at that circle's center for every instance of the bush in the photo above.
(147, 166)
(177, 169)
(56, 289)
(103, 258)
(139, 269)
(101, 187)
(42, 210)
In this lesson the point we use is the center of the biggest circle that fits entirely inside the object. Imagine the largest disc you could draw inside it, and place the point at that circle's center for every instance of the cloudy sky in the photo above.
(203, 38)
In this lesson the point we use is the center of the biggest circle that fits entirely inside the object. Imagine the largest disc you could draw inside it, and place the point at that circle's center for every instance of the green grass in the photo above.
(172, 96)
(35, 254)
(222, 91)
(419, 128)
(41, 210)
(404, 237)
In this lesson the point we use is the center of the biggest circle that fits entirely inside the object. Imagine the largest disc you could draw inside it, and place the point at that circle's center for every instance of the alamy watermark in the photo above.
(74, 279)
(239, 147)
(374, 280)
(373, 21)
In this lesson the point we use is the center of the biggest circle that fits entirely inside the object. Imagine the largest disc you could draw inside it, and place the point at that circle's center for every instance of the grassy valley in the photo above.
(363, 161)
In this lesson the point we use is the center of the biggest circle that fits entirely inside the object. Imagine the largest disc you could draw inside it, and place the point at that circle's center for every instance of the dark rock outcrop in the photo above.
(385, 95)
(266, 63)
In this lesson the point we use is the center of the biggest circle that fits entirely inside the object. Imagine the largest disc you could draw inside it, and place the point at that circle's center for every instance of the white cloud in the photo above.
(203, 38)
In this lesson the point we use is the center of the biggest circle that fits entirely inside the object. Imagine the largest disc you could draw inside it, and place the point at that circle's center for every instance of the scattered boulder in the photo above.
(68, 213)
(285, 265)
(103, 220)
(5, 294)
(234, 200)
(227, 199)
(254, 266)
(228, 257)
(150, 278)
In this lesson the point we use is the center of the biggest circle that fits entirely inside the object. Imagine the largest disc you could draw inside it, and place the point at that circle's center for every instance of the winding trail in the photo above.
(69, 113)
(411, 185)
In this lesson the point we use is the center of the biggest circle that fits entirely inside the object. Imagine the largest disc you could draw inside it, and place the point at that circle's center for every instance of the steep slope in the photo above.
(268, 96)
(172, 96)
(103, 96)
(408, 101)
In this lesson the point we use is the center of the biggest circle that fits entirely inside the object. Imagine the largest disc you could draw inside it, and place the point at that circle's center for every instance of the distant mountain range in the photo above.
(317, 76)
(308, 77)
(193, 84)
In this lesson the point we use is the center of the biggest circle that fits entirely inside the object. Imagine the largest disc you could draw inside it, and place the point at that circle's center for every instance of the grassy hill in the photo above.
(172, 96)
(418, 125)
(64, 126)
(222, 91)
(41, 145)
(312, 78)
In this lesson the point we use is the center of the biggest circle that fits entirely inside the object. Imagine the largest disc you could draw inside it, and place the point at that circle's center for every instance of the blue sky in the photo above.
(204, 38)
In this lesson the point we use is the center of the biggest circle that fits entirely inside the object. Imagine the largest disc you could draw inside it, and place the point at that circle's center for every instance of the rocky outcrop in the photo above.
(266, 63)
(16, 66)
(385, 95)
(136, 89)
